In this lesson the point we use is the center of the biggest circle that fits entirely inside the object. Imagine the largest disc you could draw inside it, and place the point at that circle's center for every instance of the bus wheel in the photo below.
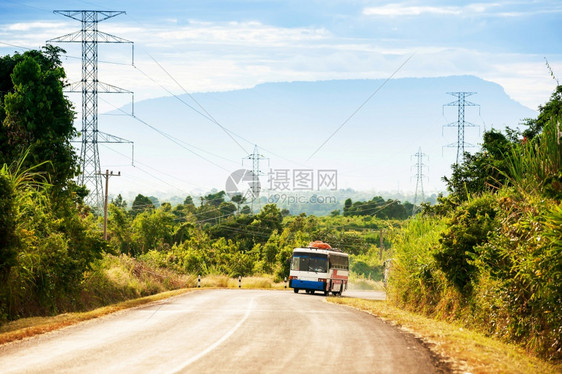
(295, 290)
(326, 293)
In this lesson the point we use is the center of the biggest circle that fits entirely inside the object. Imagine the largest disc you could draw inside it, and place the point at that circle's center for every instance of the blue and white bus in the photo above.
(319, 269)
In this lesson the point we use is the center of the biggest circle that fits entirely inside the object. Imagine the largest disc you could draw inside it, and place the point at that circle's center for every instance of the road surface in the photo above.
(224, 331)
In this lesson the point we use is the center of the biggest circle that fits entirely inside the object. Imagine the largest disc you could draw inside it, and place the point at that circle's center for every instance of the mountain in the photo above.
(289, 122)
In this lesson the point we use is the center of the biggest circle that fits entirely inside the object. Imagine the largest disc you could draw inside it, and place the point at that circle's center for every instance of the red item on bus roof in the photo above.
(320, 245)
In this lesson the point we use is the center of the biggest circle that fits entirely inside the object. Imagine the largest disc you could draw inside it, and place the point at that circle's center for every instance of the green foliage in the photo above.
(54, 245)
(8, 238)
(468, 227)
(119, 202)
(485, 170)
(378, 207)
(493, 261)
(547, 112)
(367, 267)
(416, 283)
(141, 204)
(119, 231)
(524, 261)
(154, 229)
(36, 116)
(535, 165)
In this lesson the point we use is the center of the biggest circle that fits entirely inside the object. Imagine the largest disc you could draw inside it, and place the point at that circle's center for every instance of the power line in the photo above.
(150, 167)
(173, 139)
(208, 115)
(360, 107)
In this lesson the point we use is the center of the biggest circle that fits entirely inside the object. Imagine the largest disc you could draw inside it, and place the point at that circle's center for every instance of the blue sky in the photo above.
(211, 45)
(217, 45)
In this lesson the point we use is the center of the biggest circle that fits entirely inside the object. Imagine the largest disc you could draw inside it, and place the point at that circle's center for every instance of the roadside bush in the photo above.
(469, 226)
(524, 260)
(415, 282)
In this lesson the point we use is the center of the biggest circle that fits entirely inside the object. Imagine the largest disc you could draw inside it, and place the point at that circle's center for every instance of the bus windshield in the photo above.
(310, 262)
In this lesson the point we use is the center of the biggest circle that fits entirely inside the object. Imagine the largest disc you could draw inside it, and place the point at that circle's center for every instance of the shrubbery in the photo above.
(493, 260)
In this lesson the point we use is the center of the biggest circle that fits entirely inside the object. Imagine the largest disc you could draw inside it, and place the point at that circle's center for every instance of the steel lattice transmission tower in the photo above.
(461, 103)
(419, 179)
(89, 36)
(255, 186)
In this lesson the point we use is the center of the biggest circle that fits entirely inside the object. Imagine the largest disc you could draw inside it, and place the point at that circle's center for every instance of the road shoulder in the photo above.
(462, 350)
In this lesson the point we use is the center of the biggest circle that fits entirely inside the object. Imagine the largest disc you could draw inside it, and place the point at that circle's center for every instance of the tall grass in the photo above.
(510, 243)
(534, 166)
(415, 282)
(119, 278)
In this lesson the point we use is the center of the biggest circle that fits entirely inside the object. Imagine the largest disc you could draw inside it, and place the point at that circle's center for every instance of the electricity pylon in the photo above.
(255, 186)
(89, 36)
(419, 179)
(461, 103)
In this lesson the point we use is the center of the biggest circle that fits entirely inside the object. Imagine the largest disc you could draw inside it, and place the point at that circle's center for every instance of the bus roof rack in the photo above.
(326, 249)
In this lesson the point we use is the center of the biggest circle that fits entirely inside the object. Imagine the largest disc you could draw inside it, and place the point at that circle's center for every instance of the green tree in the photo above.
(141, 204)
(485, 170)
(347, 206)
(227, 208)
(8, 238)
(188, 200)
(469, 228)
(154, 229)
(238, 199)
(119, 202)
(119, 228)
(552, 109)
(36, 116)
(214, 199)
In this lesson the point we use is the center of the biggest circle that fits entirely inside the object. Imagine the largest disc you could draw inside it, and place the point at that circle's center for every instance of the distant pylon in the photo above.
(89, 86)
(461, 102)
(255, 186)
(419, 180)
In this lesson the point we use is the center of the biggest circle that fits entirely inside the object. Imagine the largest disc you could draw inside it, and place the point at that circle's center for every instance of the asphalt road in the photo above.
(224, 331)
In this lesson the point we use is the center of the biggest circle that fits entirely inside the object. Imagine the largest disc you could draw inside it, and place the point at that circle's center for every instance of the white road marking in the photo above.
(218, 342)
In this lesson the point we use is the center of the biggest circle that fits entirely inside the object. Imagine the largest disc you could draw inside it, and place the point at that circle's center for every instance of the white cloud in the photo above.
(28, 26)
(213, 56)
(393, 10)
(242, 33)
(397, 10)
(496, 9)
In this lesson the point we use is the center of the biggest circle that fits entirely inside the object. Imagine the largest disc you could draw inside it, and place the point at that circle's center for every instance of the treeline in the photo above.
(378, 207)
(489, 255)
(47, 238)
(217, 237)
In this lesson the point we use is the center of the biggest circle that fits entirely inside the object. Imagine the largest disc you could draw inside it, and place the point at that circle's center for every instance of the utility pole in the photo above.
(381, 248)
(419, 179)
(461, 103)
(106, 176)
(255, 186)
(89, 36)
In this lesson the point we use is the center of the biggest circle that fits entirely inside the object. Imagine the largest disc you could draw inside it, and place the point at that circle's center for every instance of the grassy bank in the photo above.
(466, 350)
